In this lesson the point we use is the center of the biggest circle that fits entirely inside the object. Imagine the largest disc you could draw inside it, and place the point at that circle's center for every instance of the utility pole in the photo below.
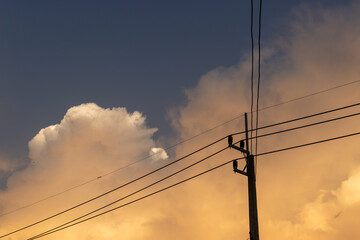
(249, 171)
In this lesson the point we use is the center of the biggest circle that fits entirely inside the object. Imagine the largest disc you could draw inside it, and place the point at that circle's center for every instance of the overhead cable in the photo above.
(258, 84)
(172, 146)
(264, 135)
(304, 117)
(114, 189)
(190, 178)
(263, 127)
(309, 125)
(252, 70)
(140, 190)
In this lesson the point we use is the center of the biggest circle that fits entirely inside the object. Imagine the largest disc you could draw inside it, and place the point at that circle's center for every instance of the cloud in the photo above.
(309, 193)
(349, 192)
(158, 154)
(6, 165)
(90, 141)
(332, 213)
(9, 165)
(298, 191)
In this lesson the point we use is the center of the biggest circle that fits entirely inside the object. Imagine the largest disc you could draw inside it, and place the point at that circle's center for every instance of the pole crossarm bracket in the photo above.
(240, 171)
(240, 149)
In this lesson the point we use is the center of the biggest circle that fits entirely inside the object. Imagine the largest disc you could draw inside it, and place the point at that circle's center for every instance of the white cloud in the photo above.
(89, 141)
(158, 154)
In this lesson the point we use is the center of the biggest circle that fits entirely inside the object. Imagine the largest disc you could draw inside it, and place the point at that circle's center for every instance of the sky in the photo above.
(89, 87)
(138, 55)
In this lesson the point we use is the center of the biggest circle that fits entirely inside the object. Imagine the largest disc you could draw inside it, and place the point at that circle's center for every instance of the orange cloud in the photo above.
(309, 193)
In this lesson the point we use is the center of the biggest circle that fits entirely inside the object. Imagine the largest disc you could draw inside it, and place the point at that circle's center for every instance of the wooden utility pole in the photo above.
(249, 171)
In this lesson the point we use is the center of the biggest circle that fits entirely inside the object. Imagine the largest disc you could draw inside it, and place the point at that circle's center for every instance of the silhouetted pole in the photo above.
(250, 173)
(253, 215)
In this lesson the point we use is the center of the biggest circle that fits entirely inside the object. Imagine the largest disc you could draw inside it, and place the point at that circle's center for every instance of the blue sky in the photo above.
(135, 54)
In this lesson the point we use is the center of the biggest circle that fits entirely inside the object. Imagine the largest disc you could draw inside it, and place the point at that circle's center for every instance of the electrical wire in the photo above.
(309, 125)
(87, 182)
(271, 125)
(252, 71)
(268, 126)
(114, 189)
(304, 117)
(309, 144)
(268, 107)
(265, 108)
(136, 200)
(195, 176)
(258, 85)
(264, 135)
(48, 197)
(172, 146)
(140, 190)
(310, 95)
(99, 177)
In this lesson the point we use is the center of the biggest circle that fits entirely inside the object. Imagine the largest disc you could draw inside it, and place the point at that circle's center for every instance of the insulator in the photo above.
(242, 144)
(230, 140)
(235, 165)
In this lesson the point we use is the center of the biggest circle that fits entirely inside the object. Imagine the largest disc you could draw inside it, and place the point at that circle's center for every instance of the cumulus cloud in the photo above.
(90, 141)
(307, 194)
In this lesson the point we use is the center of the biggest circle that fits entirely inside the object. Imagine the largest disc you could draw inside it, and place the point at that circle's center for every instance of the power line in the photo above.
(309, 144)
(273, 133)
(265, 108)
(304, 117)
(267, 126)
(271, 125)
(172, 146)
(258, 85)
(195, 176)
(264, 135)
(114, 189)
(308, 125)
(310, 95)
(252, 70)
(47, 198)
(85, 183)
(104, 175)
(140, 190)
(278, 104)
(136, 200)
